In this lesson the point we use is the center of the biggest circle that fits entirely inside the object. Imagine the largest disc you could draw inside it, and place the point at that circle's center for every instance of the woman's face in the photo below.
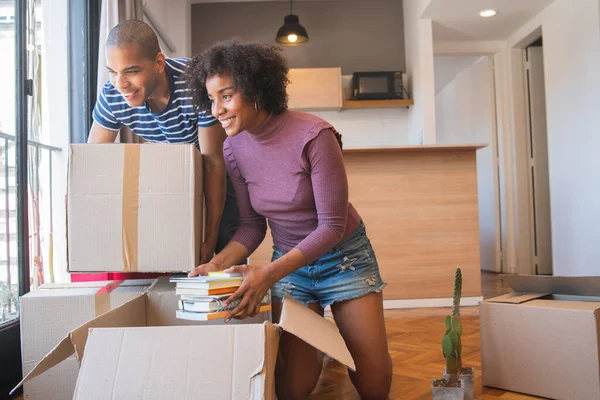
(229, 106)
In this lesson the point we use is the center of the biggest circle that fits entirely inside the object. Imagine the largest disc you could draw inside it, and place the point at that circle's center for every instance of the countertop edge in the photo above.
(411, 148)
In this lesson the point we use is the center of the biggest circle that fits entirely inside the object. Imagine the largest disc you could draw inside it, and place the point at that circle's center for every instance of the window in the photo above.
(35, 131)
(9, 288)
(27, 246)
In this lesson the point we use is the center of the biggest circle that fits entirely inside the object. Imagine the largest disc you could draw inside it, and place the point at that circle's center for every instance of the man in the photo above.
(146, 92)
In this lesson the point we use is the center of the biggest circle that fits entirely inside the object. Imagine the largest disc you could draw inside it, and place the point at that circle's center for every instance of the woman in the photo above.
(287, 167)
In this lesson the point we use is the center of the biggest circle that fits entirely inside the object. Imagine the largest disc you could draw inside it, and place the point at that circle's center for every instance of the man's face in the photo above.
(132, 74)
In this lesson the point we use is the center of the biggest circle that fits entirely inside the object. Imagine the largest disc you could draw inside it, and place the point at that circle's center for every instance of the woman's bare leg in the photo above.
(298, 363)
(361, 323)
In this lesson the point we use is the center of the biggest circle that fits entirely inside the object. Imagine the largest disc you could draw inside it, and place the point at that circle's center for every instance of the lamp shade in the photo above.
(291, 33)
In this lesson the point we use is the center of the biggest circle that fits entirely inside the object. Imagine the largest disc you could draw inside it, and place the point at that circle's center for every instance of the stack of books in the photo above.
(202, 298)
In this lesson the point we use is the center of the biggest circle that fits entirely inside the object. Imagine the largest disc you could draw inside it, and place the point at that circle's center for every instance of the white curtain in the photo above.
(113, 12)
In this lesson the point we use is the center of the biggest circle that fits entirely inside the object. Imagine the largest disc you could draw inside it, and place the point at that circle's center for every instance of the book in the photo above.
(209, 285)
(212, 303)
(207, 316)
(207, 282)
(204, 292)
(224, 275)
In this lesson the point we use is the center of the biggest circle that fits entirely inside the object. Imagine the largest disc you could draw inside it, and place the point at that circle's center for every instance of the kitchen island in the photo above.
(420, 207)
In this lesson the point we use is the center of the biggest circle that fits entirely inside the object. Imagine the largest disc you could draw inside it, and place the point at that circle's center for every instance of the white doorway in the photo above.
(466, 113)
(537, 155)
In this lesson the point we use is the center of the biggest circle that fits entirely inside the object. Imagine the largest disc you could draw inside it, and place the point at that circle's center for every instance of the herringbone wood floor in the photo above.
(414, 337)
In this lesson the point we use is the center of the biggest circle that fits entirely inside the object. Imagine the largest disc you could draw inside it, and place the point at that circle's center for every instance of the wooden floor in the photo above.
(414, 337)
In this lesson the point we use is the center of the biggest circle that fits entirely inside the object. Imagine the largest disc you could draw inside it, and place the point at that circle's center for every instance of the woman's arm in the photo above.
(253, 226)
(330, 187)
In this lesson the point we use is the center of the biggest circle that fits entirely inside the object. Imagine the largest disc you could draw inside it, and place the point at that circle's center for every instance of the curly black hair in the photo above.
(258, 70)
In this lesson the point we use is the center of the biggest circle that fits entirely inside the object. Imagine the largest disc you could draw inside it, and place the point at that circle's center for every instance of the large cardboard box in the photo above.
(543, 338)
(50, 312)
(140, 350)
(134, 207)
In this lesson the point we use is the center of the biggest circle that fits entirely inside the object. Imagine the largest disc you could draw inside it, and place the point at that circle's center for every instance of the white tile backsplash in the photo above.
(367, 128)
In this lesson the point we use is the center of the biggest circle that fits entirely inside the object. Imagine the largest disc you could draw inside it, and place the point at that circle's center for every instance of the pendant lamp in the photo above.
(291, 33)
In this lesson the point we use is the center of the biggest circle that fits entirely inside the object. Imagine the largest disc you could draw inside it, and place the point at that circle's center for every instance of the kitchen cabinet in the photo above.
(315, 89)
(321, 89)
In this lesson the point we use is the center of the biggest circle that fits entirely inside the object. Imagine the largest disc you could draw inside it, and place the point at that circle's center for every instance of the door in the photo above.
(539, 191)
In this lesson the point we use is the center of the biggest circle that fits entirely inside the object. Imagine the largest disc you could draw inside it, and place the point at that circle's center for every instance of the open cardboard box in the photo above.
(140, 350)
(54, 309)
(543, 338)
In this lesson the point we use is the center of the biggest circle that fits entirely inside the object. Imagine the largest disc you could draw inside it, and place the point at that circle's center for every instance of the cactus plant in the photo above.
(451, 344)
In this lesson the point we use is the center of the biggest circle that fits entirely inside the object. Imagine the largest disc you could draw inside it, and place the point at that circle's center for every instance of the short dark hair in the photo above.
(258, 70)
(133, 31)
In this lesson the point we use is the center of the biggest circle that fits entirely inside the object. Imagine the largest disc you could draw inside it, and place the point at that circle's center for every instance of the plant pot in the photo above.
(441, 392)
(468, 378)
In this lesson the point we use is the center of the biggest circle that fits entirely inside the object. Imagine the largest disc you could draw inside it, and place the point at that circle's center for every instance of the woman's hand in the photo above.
(204, 269)
(257, 281)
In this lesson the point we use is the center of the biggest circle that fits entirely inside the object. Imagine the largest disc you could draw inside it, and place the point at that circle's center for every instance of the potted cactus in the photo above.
(458, 380)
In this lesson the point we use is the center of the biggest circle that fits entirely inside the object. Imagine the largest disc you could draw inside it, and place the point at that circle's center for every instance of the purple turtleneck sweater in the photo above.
(290, 170)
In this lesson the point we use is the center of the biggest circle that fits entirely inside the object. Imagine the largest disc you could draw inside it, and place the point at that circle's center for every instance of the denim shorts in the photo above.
(349, 270)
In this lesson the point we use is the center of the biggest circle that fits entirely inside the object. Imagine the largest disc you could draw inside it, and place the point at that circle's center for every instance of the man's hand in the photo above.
(211, 145)
(257, 281)
(206, 251)
(204, 269)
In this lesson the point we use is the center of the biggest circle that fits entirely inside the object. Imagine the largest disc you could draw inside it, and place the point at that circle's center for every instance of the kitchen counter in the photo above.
(420, 207)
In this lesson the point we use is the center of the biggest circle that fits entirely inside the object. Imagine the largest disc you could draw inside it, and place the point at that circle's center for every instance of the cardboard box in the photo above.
(50, 312)
(543, 339)
(159, 356)
(134, 207)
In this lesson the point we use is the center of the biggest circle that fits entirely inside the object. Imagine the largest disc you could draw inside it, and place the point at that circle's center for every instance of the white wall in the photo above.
(464, 114)
(419, 66)
(446, 67)
(173, 18)
(571, 38)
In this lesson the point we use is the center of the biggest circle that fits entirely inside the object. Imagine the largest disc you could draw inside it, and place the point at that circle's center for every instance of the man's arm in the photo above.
(211, 145)
(99, 134)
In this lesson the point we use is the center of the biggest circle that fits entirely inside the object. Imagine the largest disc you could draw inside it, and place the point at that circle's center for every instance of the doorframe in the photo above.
(517, 98)
(511, 130)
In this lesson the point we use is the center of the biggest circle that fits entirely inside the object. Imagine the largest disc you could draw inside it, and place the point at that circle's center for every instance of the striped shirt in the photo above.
(177, 123)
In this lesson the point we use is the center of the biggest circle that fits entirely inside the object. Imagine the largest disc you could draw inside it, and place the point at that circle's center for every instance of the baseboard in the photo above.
(426, 303)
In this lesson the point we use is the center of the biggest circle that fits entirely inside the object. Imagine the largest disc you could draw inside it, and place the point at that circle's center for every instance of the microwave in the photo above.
(378, 85)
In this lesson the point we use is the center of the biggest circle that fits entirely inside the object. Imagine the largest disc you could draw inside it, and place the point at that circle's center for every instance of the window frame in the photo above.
(83, 16)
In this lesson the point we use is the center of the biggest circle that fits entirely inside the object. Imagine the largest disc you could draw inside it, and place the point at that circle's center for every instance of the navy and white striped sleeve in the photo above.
(102, 114)
(205, 119)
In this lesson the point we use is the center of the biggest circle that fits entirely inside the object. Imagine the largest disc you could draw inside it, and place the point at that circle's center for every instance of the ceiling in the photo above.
(245, 1)
(459, 20)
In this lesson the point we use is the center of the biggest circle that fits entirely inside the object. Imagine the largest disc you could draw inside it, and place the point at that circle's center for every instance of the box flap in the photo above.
(570, 285)
(179, 362)
(314, 330)
(516, 297)
(132, 313)
(61, 352)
